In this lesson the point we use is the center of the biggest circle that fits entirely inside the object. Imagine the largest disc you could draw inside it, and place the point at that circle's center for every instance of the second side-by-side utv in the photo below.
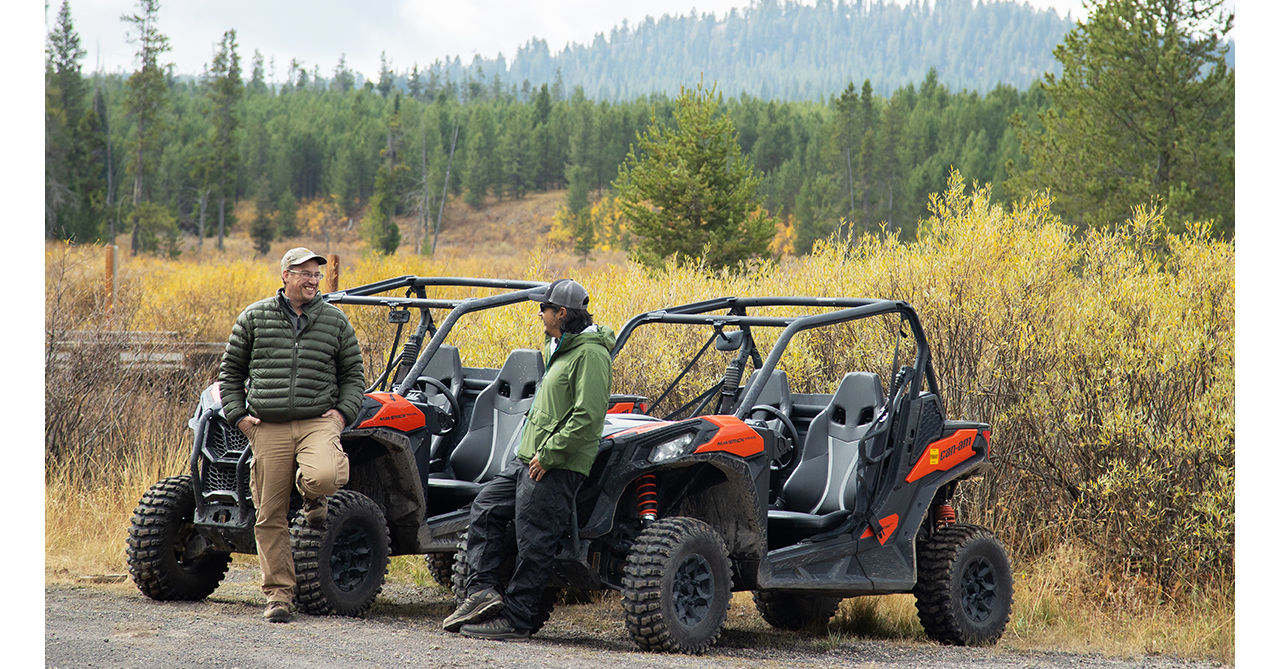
(801, 498)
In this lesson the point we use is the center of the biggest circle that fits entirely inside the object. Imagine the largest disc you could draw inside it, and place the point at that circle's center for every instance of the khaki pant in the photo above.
(322, 468)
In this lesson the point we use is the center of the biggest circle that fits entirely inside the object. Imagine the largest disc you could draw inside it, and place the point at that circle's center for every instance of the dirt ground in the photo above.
(113, 625)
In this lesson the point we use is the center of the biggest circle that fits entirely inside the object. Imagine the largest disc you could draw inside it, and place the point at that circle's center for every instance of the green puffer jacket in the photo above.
(567, 416)
(291, 379)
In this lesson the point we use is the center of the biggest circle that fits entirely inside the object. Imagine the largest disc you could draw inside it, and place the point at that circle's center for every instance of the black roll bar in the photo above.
(367, 294)
(847, 309)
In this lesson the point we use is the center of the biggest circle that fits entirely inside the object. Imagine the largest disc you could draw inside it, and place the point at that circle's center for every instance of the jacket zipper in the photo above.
(293, 371)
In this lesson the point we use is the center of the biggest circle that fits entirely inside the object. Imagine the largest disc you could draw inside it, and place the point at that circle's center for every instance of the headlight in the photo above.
(671, 449)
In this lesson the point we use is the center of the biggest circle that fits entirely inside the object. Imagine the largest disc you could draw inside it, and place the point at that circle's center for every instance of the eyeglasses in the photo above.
(307, 275)
(545, 307)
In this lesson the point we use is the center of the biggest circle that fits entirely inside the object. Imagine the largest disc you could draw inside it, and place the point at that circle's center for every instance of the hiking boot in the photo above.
(497, 629)
(278, 612)
(477, 607)
(316, 511)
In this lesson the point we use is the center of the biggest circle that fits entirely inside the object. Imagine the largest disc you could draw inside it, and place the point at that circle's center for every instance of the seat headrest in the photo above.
(519, 375)
(776, 391)
(857, 398)
(445, 365)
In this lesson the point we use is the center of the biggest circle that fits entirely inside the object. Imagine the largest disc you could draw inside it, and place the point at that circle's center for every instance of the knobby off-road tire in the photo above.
(964, 592)
(161, 535)
(462, 571)
(793, 611)
(676, 586)
(340, 569)
(440, 566)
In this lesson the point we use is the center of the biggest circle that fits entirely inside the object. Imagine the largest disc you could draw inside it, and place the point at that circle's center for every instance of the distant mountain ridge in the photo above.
(792, 51)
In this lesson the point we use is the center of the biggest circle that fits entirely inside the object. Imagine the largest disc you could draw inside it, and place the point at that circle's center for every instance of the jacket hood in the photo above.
(602, 336)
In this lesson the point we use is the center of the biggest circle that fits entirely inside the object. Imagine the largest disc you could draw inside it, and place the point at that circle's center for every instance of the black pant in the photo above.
(542, 511)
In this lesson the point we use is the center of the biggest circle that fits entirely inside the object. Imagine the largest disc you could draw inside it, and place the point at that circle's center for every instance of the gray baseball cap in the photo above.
(563, 293)
(298, 256)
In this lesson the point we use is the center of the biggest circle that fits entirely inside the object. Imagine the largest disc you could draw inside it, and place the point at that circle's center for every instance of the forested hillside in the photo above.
(157, 155)
(785, 50)
(306, 142)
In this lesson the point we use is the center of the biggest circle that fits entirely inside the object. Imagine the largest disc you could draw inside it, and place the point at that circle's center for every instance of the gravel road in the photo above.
(116, 626)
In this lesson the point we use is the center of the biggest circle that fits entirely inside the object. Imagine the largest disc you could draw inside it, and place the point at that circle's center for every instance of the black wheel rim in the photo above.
(978, 590)
(692, 589)
(351, 559)
(186, 532)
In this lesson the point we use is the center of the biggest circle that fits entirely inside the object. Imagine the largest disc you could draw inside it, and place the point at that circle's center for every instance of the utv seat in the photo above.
(490, 443)
(446, 367)
(823, 487)
(776, 392)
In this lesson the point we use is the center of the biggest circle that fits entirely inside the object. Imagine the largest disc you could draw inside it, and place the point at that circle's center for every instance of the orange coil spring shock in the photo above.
(944, 515)
(647, 498)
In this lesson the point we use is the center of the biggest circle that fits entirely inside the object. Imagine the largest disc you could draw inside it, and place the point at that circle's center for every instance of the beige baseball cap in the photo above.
(298, 256)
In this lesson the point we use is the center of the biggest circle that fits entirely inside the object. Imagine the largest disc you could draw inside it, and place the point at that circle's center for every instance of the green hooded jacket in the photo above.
(567, 417)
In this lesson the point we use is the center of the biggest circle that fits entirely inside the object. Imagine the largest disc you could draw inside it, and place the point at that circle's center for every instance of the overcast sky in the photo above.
(317, 32)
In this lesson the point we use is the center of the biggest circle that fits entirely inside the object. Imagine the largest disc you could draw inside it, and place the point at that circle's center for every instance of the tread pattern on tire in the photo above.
(308, 544)
(440, 566)
(642, 591)
(149, 551)
(939, 615)
(793, 611)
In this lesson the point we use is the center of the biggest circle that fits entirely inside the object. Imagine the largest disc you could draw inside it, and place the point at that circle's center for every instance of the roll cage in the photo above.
(415, 297)
(736, 313)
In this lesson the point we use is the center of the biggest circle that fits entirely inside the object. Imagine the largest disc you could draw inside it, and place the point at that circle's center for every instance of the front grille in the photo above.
(221, 451)
(223, 438)
(219, 477)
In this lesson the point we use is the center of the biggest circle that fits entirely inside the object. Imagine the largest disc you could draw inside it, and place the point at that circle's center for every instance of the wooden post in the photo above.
(331, 274)
(110, 277)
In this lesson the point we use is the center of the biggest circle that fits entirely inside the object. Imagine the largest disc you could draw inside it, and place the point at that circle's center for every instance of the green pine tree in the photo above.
(225, 92)
(1144, 109)
(688, 190)
(380, 227)
(482, 172)
(66, 215)
(262, 230)
(146, 103)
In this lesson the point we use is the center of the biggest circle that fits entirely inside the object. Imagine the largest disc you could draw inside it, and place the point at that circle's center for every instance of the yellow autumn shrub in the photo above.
(1104, 362)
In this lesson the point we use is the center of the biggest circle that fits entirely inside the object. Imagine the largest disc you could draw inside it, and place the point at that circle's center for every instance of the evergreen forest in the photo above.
(785, 50)
(156, 154)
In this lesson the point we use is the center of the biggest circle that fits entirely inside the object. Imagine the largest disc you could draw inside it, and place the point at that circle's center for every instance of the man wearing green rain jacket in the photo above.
(537, 489)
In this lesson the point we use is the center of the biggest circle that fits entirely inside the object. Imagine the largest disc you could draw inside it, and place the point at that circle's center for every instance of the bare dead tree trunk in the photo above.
(425, 212)
(204, 206)
(444, 191)
(222, 219)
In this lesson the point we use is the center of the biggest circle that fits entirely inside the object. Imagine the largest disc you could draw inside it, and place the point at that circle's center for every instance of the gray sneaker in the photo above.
(278, 612)
(497, 629)
(477, 607)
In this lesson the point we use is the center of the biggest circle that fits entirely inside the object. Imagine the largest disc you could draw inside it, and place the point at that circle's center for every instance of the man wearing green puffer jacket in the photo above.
(291, 378)
(537, 489)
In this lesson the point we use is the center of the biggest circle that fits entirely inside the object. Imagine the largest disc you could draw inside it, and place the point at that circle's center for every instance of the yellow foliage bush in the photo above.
(1104, 362)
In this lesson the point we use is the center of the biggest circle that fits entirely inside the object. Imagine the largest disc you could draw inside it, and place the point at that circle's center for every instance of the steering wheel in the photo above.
(455, 409)
(786, 459)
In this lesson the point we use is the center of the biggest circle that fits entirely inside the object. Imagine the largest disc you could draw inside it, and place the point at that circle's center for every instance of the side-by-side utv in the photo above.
(430, 433)
(801, 498)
